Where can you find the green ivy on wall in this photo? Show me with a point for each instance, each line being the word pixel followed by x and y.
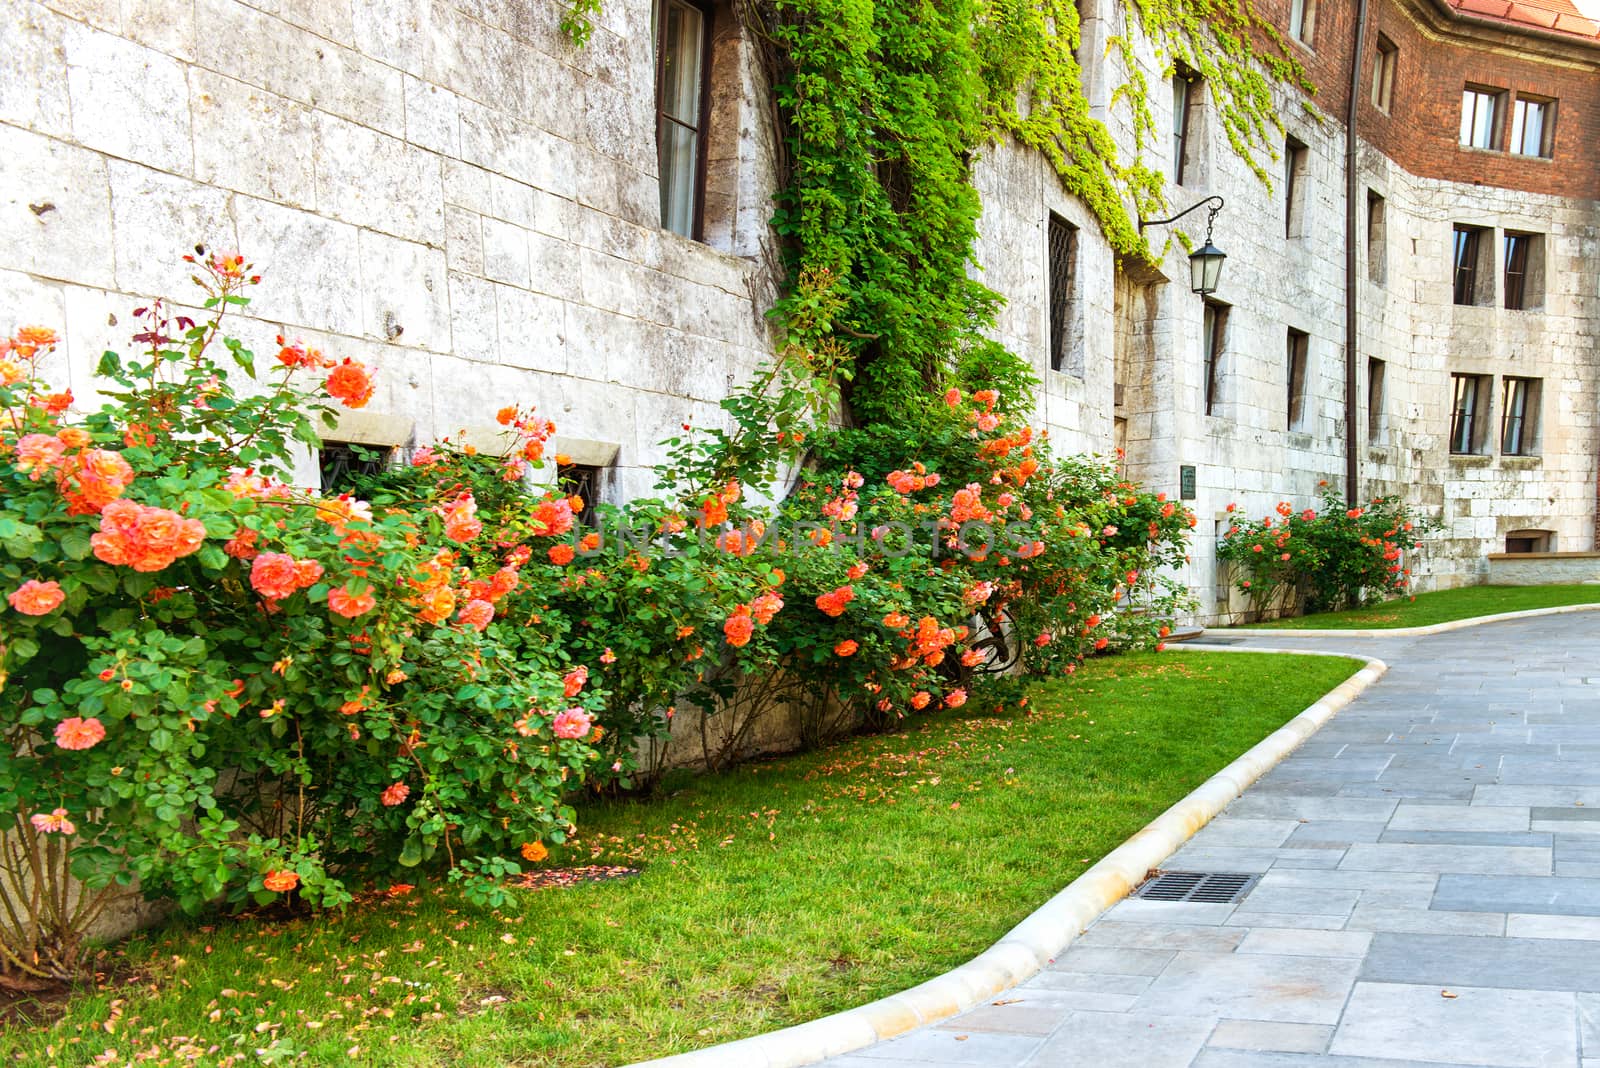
pixel 883 107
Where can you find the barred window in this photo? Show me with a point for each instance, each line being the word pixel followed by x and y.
pixel 1063 251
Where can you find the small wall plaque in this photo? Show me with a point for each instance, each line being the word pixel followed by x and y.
pixel 1186 482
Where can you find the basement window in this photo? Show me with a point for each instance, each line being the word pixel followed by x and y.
pixel 1530 541
pixel 584 481
pixel 342 464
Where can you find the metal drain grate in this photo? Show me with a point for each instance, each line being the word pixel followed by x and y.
pixel 1218 888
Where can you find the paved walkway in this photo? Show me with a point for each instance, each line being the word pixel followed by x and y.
pixel 1430 896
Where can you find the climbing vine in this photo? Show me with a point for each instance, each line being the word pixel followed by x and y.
pixel 883 106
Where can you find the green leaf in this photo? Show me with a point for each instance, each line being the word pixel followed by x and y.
pixel 75 544
pixel 411 852
pixel 212 558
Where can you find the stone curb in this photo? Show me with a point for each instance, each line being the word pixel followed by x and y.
pixel 1037 940
pixel 1410 632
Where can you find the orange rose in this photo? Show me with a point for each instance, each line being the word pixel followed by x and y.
pixel 281 882
pixel 35 598
pixel 350 605
pixel 274 575
pixel 350 384
pixel 534 852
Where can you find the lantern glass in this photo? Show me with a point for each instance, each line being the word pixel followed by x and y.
pixel 1205 268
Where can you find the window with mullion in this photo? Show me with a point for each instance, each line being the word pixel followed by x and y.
pixel 1480 117
pixel 1467 240
pixel 1531 127
pixel 682 38
pixel 1519 416
pixel 1383 69
pixel 1303 21
pixel 1466 413
pixel 1517 246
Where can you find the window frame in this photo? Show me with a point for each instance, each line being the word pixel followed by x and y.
pixel 1467 439
pixel 335 458
pixel 1303 22
pixel 1299 354
pixel 571 481
pixel 1469 120
pixel 1519 415
pixel 1213 345
pixel 1547 126
pixel 1384 66
pixel 1060 236
pixel 1518 247
pixel 1376 370
pixel 1296 157
pixel 1182 124
pixel 1377 238
pixel 702 111
pixel 1466 263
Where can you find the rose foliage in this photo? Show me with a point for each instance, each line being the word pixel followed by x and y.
pixel 1339 558
pixel 227 688
pixel 230 689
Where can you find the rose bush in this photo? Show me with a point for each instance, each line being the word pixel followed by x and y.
pixel 226 688
pixel 850 576
pixel 229 689
pixel 1340 557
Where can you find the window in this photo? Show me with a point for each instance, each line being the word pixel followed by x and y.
pixel 1303 21
pixel 1214 330
pixel 1468 413
pixel 1377 238
pixel 1383 68
pixel 1295 156
pixel 683 36
pixel 1517 269
pixel 1530 541
pixel 1533 126
pixel 1469 249
pixel 1299 343
pixel 1480 117
pixel 1185 90
pixel 1063 241
pixel 582 481
pixel 343 463
pixel 1524 271
pixel 1519 416
pixel 1375 369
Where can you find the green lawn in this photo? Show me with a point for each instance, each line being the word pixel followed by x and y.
pixel 769 896
pixel 1441 607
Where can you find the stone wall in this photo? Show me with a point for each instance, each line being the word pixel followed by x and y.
pixel 1139 332
pixel 451 192
pixel 1542 569
pixel 447 190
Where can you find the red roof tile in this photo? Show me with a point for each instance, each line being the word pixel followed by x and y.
pixel 1559 16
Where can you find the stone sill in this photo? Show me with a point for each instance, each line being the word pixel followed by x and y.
pixel 1522 462
pixel 1545 556
pixel 1470 459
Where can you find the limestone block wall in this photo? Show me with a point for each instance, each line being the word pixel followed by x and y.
pixel 1540 569
pixel 444 189
pixel 1139 333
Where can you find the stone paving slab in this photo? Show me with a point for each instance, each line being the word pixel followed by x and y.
pixel 1441 834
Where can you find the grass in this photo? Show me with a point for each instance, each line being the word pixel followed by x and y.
pixel 1442 607
pixel 770 895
